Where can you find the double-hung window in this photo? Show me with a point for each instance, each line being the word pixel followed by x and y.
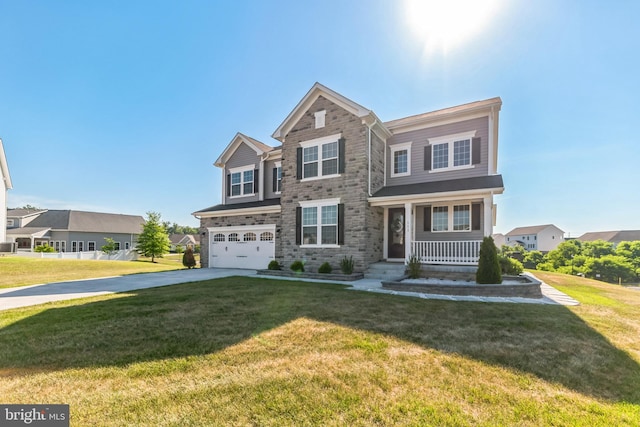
pixel 319 157
pixel 241 181
pixel 452 152
pixel 401 159
pixel 451 218
pixel 319 223
pixel 278 178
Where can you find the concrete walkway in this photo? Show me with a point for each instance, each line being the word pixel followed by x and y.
pixel 39 294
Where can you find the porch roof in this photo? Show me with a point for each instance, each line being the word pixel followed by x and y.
pixel 262 206
pixel 28 232
pixel 490 182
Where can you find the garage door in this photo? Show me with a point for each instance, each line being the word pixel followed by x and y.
pixel 242 247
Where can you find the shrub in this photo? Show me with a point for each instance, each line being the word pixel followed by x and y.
pixel 188 260
pixel 510 266
pixel 274 265
pixel 325 268
pixel 297 266
pixel 44 248
pixel 414 267
pixel 488 265
pixel 346 265
pixel 179 249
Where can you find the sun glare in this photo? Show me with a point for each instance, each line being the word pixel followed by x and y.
pixel 446 24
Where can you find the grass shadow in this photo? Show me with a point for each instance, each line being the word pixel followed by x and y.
pixel 200 318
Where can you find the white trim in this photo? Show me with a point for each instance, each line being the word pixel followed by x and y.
pixel 243 228
pixel 278 165
pixel 320 117
pixel 241 170
pixel 449 140
pixel 450 214
pixel 319 204
pixel 322 140
pixel 236 212
pixel 436 197
pixel 400 147
pixel 323 202
pixel 318 143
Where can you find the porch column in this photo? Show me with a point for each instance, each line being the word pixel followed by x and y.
pixel 488 215
pixel 408 230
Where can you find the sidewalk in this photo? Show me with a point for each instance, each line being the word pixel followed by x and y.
pixel 39 294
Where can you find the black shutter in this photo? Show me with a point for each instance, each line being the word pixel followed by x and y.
pixel 427 158
pixel 228 184
pixel 275 179
pixel 341 155
pixel 256 183
pixel 299 163
pixel 298 225
pixel 427 219
pixel 341 224
pixel 475 216
pixel 475 150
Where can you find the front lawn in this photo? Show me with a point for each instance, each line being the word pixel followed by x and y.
pixel 246 351
pixel 22 271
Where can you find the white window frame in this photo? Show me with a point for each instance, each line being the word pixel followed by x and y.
pixel 450 140
pixel 80 246
pixel 241 171
pixel 10 222
pixel 91 243
pixel 319 204
pixel 450 213
pixel 319 142
pixel 400 147
pixel 278 166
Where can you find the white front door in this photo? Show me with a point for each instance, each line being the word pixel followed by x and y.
pixel 250 247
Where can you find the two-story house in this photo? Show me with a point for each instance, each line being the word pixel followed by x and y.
pixel 542 238
pixel 5 185
pixel 344 183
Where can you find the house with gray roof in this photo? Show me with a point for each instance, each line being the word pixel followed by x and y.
pixel 343 183
pixel 543 238
pixel 614 237
pixel 5 185
pixel 71 230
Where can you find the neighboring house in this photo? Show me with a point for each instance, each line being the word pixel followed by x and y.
pixel 73 231
pixel 543 238
pixel 499 239
pixel 184 240
pixel 614 237
pixel 343 183
pixel 5 185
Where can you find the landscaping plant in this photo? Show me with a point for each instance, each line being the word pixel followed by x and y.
pixel 488 265
pixel 325 268
pixel 188 260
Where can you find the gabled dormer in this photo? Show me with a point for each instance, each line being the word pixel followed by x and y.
pixel 250 170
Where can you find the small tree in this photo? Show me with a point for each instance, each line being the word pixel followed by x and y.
pixel 488 265
pixel 188 260
pixel 179 249
pixel 153 241
pixel 110 247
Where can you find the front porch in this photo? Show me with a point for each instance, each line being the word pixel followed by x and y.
pixel 463 252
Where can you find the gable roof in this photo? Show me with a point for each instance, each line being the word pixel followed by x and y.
pixel 23 213
pixel 4 168
pixel 259 147
pixel 92 222
pixel 316 91
pixel 611 236
pixel 534 229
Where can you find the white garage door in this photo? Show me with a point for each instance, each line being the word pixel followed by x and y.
pixel 251 247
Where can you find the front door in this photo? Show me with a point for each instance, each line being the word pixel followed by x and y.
pixel 396 233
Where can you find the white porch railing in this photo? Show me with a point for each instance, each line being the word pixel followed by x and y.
pixel 121 255
pixel 466 252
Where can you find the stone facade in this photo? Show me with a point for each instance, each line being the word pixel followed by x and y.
pixel 362 225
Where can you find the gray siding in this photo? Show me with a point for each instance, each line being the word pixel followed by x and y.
pixel 419 139
pixel 243 156
pixel 99 238
pixel 268 180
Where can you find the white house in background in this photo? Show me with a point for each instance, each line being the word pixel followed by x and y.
pixel 542 238
pixel 5 184
pixel 499 239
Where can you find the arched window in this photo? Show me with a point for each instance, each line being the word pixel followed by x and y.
pixel 233 237
pixel 218 237
pixel 267 236
pixel 249 237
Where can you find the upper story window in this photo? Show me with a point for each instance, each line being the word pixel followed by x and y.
pixel 449 152
pixel 241 181
pixel 401 159
pixel 321 157
pixel 277 178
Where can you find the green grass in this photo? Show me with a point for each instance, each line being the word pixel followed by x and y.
pixel 243 351
pixel 21 271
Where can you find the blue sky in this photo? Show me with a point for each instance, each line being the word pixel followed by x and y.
pixel 123 106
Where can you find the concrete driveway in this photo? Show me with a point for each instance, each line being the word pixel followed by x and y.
pixel 38 294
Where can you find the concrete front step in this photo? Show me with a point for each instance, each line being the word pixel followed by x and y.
pixel 395 270
pixel 385 270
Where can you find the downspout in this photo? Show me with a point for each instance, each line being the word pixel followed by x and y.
pixel 369 127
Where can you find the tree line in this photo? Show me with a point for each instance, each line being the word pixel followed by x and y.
pixel 598 260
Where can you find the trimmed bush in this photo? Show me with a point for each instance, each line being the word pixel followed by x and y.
pixel 510 266
pixel 488 265
pixel 274 265
pixel 346 265
pixel 414 267
pixel 325 268
pixel 44 248
pixel 297 266
pixel 188 260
